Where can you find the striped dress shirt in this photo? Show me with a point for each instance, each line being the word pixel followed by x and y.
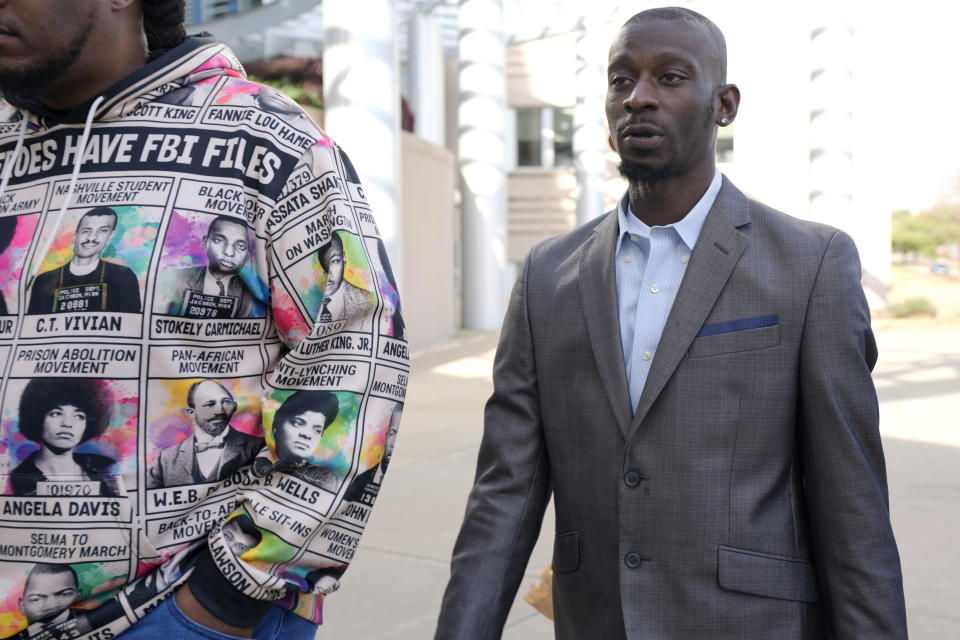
pixel 650 264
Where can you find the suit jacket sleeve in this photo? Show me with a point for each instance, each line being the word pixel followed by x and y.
pixel 511 490
pixel 855 553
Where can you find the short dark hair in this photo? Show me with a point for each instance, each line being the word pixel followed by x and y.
pixel 335 239
pixel 50 569
pixel 226 220
pixel 324 402
pixel 43 394
pixel 163 25
pixel 97 212
pixel 697 19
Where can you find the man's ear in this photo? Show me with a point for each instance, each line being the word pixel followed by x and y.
pixel 122 5
pixel 610 144
pixel 728 96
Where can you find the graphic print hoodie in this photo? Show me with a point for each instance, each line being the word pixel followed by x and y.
pixel 204 362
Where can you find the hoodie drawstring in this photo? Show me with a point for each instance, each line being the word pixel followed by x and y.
pixel 73 183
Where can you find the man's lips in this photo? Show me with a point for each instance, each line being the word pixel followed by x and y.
pixel 642 136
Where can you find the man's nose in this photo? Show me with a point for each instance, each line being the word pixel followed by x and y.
pixel 228 250
pixel 643 96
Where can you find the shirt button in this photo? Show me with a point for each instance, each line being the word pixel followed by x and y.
pixel 632 560
pixel 684 259
pixel 646 355
pixel 632 478
pixel 627 259
pixel 655 288
pixel 634 237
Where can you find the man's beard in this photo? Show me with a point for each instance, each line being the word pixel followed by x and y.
pixel 22 87
pixel 638 174
pixel 212 428
pixel 635 173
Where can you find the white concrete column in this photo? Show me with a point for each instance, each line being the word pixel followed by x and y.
pixel 831 119
pixel 589 122
pixel 426 75
pixel 361 84
pixel 832 153
pixel 548 153
pixel 482 118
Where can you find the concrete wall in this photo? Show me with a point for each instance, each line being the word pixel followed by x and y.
pixel 541 72
pixel 427 173
pixel 540 204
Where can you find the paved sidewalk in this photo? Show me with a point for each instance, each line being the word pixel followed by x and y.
pixel 394 587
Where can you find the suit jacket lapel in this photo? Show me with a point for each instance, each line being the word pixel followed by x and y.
pixel 183 463
pixel 598 291
pixel 713 259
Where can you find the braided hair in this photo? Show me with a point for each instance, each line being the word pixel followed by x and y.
pixel 163 25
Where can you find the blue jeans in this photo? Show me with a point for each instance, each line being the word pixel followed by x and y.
pixel 168 621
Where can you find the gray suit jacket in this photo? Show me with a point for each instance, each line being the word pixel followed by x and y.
pixel 175 466
pixel 744 498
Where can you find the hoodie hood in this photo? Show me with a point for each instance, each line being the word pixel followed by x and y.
pixel 199 58
pixel 194 65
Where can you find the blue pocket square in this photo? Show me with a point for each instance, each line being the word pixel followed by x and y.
pixel 757 322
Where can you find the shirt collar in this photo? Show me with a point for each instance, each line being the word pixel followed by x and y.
pixel 688 228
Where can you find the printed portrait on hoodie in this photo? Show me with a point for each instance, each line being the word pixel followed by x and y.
pixel 334 284
pixel 69 437
pixel 207 269
pixel 97 261
pixel 15 235
pixel 50 600
pixel 202 430
pixel 311 435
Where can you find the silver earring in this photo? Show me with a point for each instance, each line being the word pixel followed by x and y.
pixel 723 121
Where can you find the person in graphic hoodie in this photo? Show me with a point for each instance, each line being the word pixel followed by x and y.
pixel 110 106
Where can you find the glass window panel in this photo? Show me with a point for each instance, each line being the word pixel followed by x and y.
pixel 563 136
pixel 528 137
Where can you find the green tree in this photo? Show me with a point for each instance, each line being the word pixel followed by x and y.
pixel 921 234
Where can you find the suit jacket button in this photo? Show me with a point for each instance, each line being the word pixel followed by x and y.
pixel 632 478
pixel 632 560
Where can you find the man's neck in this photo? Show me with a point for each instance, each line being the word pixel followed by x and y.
pixel 83 266
pixel 667 201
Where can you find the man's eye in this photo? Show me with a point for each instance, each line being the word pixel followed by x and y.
pixel 672 77
pixel 618 81
pixel 240 246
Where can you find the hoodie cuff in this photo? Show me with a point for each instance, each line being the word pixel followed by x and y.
pixel 220 598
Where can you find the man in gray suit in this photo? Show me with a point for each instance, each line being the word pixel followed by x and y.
pixel 214 451
pixel 690 377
